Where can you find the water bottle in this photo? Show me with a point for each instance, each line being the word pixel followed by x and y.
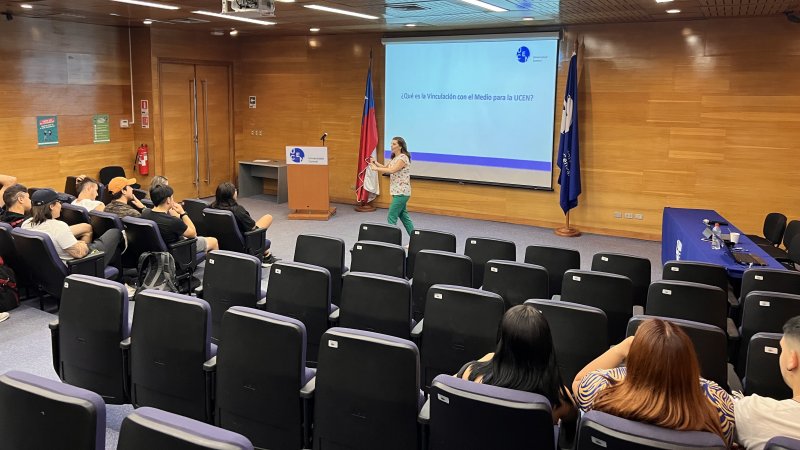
pixel 716 237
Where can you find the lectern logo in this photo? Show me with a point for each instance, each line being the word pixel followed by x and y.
pixel 297 155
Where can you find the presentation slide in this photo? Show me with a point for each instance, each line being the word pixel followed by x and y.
pixel 476 109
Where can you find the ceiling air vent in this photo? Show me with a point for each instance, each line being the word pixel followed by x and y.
pixel 189 20
pixel 406 7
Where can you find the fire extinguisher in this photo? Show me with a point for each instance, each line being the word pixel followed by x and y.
pixel 142 162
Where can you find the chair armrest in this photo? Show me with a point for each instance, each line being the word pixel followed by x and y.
pixel 55 342
pixel 638 310
pixel 262 304
pixel 91 265
pixel 125 345
pixel 733 332
pixel 417 331
pixel 198 291
pixel 255 240
pixel 210 372
pixel 307 391
pixel 184 251
pixel 424 415
pixel 733 302
pixel 334 316
pixel 734 383
pixel 210 365
pixel 556 297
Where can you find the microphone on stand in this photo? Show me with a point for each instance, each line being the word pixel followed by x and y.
pixel 324 135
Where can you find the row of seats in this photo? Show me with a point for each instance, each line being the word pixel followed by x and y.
pixel 776 230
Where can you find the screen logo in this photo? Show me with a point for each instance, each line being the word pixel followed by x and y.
pixel 297 155
pixel 523 54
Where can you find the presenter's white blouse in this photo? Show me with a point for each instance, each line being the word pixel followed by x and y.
pixel 400 181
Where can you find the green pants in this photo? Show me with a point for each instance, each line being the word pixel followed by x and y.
pixel 398 209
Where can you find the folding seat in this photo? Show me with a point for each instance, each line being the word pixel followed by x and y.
pixel 380 232
pixel 92 321
pixel 303 292
pixel 144 236
pixel 70 186
pixel 461 411
pixel 323 251
pixel 764 312
pixel 36 250
pixel 73 214
pixel 12 259
pixel 774 227
pixel 580 334
pixel 633 267
pixel 460 326
pixel 481 249
pixel 378 257
pixel 170 341
pixel 367 392
pixel 195 207
pixel 222 225
pixel 108 173
pixel 437 267
pixel 376 303
pixel 710 345
pixel 515 281
pixel 770 280
pixel 700 272
pixel 783 443
pixel 556 260
pixel 262 384
pixel 610 292
pixel 762 374
pixel 102 221
pixel 428 240
pixel 600 430
pixel 691 301
pixel 151 428
pixel 39 413
pixel 792 230
pixel 230 279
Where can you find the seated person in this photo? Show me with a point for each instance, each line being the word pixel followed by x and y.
pixel 123 202
pixel 172 220
pixel 660 383
pixel 226 197
pixel 758 419
pixel 6 181
pixel 44 212
pixel 159 180
pixel 87 194
pixel 18 205
pixel 524 360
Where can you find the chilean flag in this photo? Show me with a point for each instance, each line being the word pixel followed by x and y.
pixel 367 179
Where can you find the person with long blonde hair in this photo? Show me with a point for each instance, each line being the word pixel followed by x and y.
pixel 660 383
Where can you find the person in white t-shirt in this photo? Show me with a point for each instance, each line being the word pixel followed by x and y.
pixel 758 419
pixel 44 212
pixel 87 194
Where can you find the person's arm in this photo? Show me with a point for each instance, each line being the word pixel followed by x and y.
pixel 78 250
pixel 82 231
pixel 6 181
pixel 137 204
pixel 100 207
pixel 392 168
pixel 612 358
pixel 178 211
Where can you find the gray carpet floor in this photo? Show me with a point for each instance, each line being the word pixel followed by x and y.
pixel 25 337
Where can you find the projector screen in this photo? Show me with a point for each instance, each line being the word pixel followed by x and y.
pixel 477 109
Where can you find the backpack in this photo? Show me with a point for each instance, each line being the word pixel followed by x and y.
pixel 156 271
pixel 9 295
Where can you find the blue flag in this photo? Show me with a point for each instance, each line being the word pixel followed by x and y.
pixel 568 160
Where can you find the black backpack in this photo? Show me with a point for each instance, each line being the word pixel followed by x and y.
pixel 156 271
pixel 9 294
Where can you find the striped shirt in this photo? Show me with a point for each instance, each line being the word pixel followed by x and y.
pixel 596 381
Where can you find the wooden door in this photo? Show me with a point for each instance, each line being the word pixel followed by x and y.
pixel 177 85
pixel 214 108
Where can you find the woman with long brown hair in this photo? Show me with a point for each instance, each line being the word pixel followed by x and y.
pixel 660 383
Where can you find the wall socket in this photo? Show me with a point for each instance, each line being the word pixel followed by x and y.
pixel 617 215
pixel 256 132
pixel 629 215
pixel 638 216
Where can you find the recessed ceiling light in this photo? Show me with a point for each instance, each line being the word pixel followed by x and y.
pixel 673 11
pixel 234 32
pixel 527 19
pixel 148 4
pixel 218 33
pixel 26 6
pixel 663 1
pixel 485 5
pixel 286 1
pixel 340 11
pixel 147 21
pixel 113 14
pixel 411 25
pixel 313 30
pixel 228 16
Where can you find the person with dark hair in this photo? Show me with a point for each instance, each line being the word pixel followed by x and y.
pixel 87 194
pixel 660 383
pixel 123 203
pixel 44 212
pixel 18 205
pixel 758 419
pixel 525 360
pixel 399 170
pixel 172 220
pixel 158 180
pixel 226 198
pixel 6 181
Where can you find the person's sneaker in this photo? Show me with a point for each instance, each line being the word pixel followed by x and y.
pixel 269 260
pixel 4 316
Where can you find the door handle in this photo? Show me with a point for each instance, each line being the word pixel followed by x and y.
pixel 193 84
pixel 205 115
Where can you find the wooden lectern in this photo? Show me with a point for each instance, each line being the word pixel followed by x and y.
pixel 308 183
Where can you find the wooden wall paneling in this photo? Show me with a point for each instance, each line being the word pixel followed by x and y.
pixel 143 90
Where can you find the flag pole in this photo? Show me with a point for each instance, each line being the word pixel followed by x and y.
pixel 362 206
pixel 567 230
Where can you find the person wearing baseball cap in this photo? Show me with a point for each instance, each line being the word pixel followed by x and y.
pixel 123 201
pixel 46 209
